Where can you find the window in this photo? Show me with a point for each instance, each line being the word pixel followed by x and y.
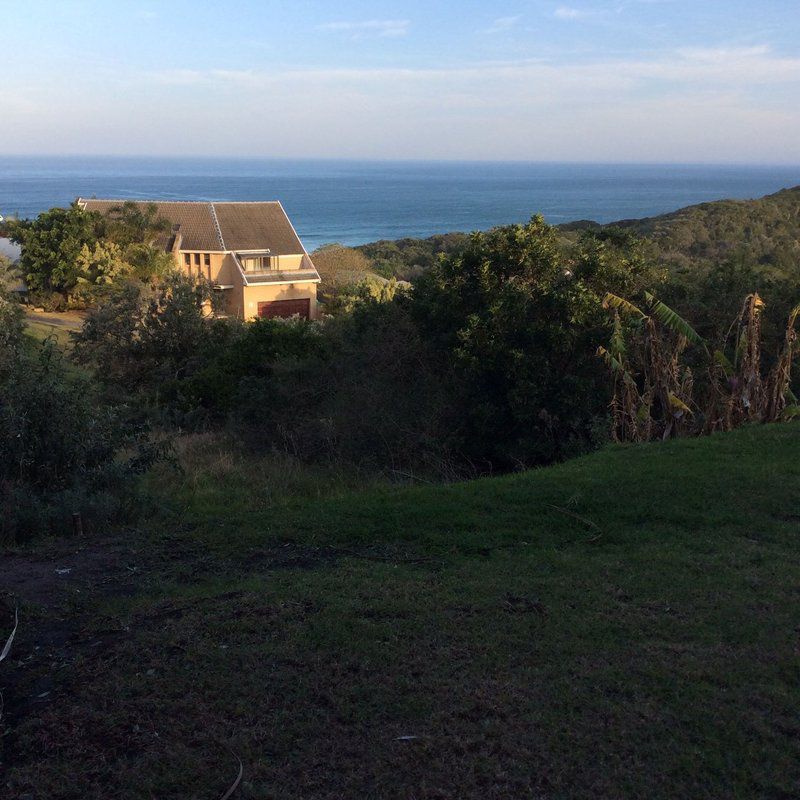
pixel 207 265
pixel 259 263
pixel 197 259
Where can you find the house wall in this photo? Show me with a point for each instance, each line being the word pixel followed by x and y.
pixel 290 262
pixel 223 272
pixel 253 295
pixel 242 301
pixel 217 264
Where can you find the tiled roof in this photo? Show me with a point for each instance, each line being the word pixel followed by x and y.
pixel 257 226
pixel 197 228
pixel 221 226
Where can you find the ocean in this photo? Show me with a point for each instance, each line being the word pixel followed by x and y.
pixel 353 202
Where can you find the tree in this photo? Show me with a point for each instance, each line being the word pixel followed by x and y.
pixel 520 317
pixel 10 276
pixel 148 262
pixel 372 289
pixel 135 223
pixel 101 265
pixel 145 337
pixel 51 245
pixel 338 265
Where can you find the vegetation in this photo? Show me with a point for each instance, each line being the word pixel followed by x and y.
pixel 10 276
pixel 764 232
pixel 70 256
pixel 277 600
pixel 407 259
pixel 657 394
pixel 62 450
pixel 533 635
pixel 515 314
pixel 348 280
pixel 762 235
pixel 338 265
pixel 498 344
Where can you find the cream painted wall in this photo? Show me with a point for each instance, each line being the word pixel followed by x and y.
pixel 242 301
pixel 217 262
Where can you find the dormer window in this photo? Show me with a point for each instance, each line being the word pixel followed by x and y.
pixel 258 261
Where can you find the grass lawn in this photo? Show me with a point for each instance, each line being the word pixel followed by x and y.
pixel 623 625
pixel 42 325
pixel 42 330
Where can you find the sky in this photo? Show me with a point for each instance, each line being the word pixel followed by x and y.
pixel 535 80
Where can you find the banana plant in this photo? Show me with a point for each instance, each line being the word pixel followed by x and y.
pixel 660 377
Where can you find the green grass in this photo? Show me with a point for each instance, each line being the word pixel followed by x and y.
pixel 619 626
pixel 39 331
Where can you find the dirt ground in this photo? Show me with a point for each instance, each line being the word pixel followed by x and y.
pixel 69 320
pixel 47 589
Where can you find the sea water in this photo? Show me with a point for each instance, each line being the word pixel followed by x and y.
pixel 352 202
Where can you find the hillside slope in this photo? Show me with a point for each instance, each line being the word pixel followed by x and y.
pixel 621 625
pixel 763 232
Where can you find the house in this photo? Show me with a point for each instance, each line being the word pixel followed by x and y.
pixel 250 252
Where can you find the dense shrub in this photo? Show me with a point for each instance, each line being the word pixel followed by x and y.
pixel 371 393
pixel 61 451
pixel 345 298
pixel 51 246
pixel 519 318
pixel 488 364
pixel 144 339
pixel 159 347
pixel 407 259
pixel 338 265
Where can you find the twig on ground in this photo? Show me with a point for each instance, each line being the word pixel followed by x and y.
pixel 235 784
pixel 7 648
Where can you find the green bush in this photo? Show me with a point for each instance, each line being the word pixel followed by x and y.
pixel 61 450
pixel 487 364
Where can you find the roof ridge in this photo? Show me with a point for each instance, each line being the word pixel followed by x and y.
pixel 216 226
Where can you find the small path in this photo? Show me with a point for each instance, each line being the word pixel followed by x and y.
pixel 70 320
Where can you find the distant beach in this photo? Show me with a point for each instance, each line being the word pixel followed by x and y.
pixel 353 202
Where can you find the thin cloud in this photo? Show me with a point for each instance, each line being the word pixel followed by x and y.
pixel 385 28
pixel 503 24
pixel 605 109
pixel 717 68
pixel 569 13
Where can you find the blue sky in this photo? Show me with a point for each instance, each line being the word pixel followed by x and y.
pixel 580 80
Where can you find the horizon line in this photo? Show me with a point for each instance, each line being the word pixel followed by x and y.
pixel 405 160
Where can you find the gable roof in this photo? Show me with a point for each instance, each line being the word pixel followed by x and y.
pixel 257 226
pixel 218 227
